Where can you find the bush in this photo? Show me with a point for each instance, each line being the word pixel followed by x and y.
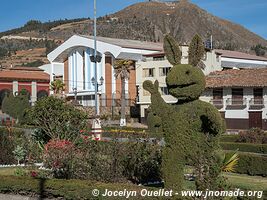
pixel 68 189
pixel 57 119
pixel 254 135
pixel 229 138
pixel 245 147
pixel 58 156
pixel 9 139
pixel 251 164
pixel 108 161
pixel 16 106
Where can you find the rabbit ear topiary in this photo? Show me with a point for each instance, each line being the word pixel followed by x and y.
pixel 196 51
pixel 172 50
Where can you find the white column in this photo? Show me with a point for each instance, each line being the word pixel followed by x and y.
pixel 34 92
pixel 15 87
pixel 103 74
pixel 75 69
pixel 92 70
pixel 87 69
pixel 113 77
pixel 70 73
pixel 52 76
pixel 79 70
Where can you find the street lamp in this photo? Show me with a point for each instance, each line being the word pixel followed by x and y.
pixel 75 95
pixel 97 84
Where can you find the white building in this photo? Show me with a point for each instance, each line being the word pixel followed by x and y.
pixel 78 70
pixel 240 60
pixel 156 66
pixel 240 96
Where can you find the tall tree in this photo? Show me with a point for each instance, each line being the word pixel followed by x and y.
pixel 122 70
pixel 57 86
pixel 196 51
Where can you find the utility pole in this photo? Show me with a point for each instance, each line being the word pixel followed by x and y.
pixel 95 53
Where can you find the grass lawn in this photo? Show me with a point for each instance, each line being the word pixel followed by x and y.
pixel 7 171
pixel 247 182
pixel 74 187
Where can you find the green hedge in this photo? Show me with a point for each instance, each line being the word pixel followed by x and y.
pixel 252 164
pixel 229 138
pixel 68 189
pixel 245 147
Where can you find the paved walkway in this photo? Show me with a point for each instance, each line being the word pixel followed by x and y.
pixel 15 197
pixel 18 197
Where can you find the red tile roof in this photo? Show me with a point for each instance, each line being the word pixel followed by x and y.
pixel 23 74
pixel 25 68
pixel 237 78
pixel 240 55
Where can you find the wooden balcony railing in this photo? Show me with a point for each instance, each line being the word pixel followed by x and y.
pixel 256 103
pixel 218 103
pixel 236 103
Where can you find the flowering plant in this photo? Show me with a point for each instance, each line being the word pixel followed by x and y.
pixel 58 155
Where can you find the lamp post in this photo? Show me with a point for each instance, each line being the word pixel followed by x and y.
pixel 95 61
pixel 75 95
pixel 97 84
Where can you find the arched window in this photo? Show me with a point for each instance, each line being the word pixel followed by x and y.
pixel 3 93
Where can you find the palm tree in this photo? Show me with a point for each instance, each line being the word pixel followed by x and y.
pixel 230 162
pixel 122 69
pixel 57 86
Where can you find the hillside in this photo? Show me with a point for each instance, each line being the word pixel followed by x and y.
pixel 147 21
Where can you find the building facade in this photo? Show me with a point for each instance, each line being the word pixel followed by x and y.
pixel 156 66
pixel 33 80
pixel 240 96
pixel 78 71
pixel 240 60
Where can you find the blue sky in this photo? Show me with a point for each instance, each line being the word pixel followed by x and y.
pixel 15 13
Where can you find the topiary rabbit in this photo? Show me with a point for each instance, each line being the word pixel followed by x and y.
pixel 190 127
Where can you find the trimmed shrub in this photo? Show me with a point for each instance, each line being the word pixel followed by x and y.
pixel 251 164
pixel 229 138
pixel 245 147
pixel 68 189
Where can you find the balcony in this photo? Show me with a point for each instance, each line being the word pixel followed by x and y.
pixel 238 104
pixel 218 103
pixel 256 104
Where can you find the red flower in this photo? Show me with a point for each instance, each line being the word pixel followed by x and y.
pixel 33 174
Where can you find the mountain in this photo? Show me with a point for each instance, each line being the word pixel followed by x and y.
pixel 147 21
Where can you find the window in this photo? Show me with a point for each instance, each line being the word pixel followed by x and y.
pixel 149 72
pixel 164 91
pixel 163 71
pixel 218 93
pixel 258 93
pixel 237 96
